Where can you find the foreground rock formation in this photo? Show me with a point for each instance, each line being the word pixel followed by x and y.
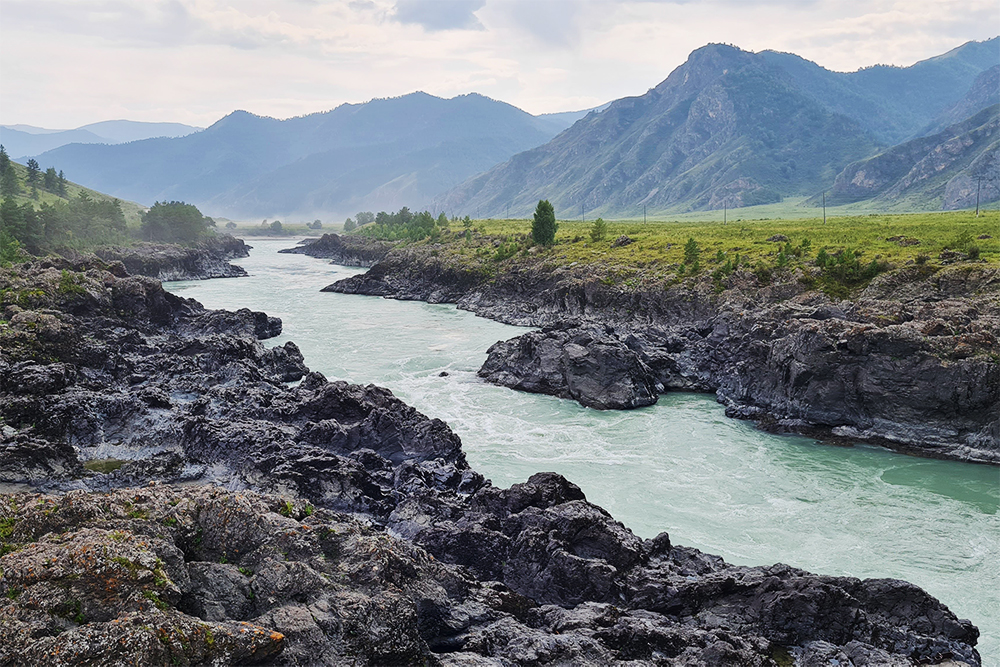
pixel 352 528
pixel 912 362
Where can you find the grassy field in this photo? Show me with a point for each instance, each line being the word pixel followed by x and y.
pixel 892 238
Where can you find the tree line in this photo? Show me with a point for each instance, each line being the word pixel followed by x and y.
pixel 10 184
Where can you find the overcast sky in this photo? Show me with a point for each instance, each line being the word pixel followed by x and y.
pixel 65 63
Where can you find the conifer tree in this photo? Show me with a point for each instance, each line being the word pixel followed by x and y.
pixel 33 171
pixel 543 226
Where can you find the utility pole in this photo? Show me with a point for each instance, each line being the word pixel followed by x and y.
pixel 824 207
pixel 979 183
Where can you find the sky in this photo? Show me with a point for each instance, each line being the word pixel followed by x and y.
pixel 67 63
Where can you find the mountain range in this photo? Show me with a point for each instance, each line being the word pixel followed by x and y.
pixel 386 153
pixel 734 128
pixel 727 128
pixel 23 141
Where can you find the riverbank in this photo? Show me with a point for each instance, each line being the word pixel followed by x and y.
pixel 146 370
pixel 206 259
pixel 906 359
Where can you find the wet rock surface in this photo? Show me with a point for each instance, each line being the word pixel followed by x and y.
pixel 343 250
pixel 910 363
pixel 586 363
pixel 190 506
pixel 164 261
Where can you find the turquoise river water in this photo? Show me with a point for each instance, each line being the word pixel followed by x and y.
pixel 680 466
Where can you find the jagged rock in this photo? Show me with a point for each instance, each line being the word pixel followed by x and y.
pixel 374 542
pixel 164 261
pixel 344 250
pixel 587 364
pixel 781 355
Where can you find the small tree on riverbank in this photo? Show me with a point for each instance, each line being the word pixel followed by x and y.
pixel 543 227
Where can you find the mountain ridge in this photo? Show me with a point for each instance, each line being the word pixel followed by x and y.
pixel 727 128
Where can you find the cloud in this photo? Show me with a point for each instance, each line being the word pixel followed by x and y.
pixel 436 15
pixel 196 60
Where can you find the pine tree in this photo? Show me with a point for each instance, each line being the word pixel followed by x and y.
pixel 50 179
pixel 598 230
pixel 62 184
pixel 4 160
pixel 33 171
pixel 543 226
pixel 9 185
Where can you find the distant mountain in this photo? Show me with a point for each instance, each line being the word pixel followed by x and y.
pixel 985 92
pixel 939 171
pixel 560 121
pixel 121 131
pixel 893 103
pixel 726 128
pixel 723 129
pixel 23 141
pixel 381 154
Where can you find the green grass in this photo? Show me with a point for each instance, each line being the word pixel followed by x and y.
pixel 661 243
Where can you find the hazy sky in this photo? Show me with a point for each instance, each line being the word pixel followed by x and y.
pixel 65 63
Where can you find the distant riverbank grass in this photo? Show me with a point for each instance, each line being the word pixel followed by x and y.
pixel 842 255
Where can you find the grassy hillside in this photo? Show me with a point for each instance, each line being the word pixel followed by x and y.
pixel 132 210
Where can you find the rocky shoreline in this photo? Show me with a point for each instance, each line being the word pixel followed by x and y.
pixel 912 362
pixel 172 499
pixel 343 250
pixel 165 261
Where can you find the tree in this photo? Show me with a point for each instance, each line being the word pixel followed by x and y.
pixel 316 224
pixel 62 184
pixel 364 218
pixel 230 225
pixel 598 230
pixel 50 179
pixel 4 160
pixel 276 226
pixel 349 225
pixel 33 171
pixel 174 222
pixel 691 251
pixel 9 185
pixel 543 227
pixel 442 220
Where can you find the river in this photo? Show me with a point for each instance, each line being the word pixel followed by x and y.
pixel 679 466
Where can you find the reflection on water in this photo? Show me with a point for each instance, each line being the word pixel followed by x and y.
pixel 681 466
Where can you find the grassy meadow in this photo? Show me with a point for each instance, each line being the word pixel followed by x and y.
pixel 892 238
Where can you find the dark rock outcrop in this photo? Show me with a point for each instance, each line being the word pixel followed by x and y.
pixel 910 363
pixel 587 364
pixel 343 250
pixel 374 541
pixel 165 261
